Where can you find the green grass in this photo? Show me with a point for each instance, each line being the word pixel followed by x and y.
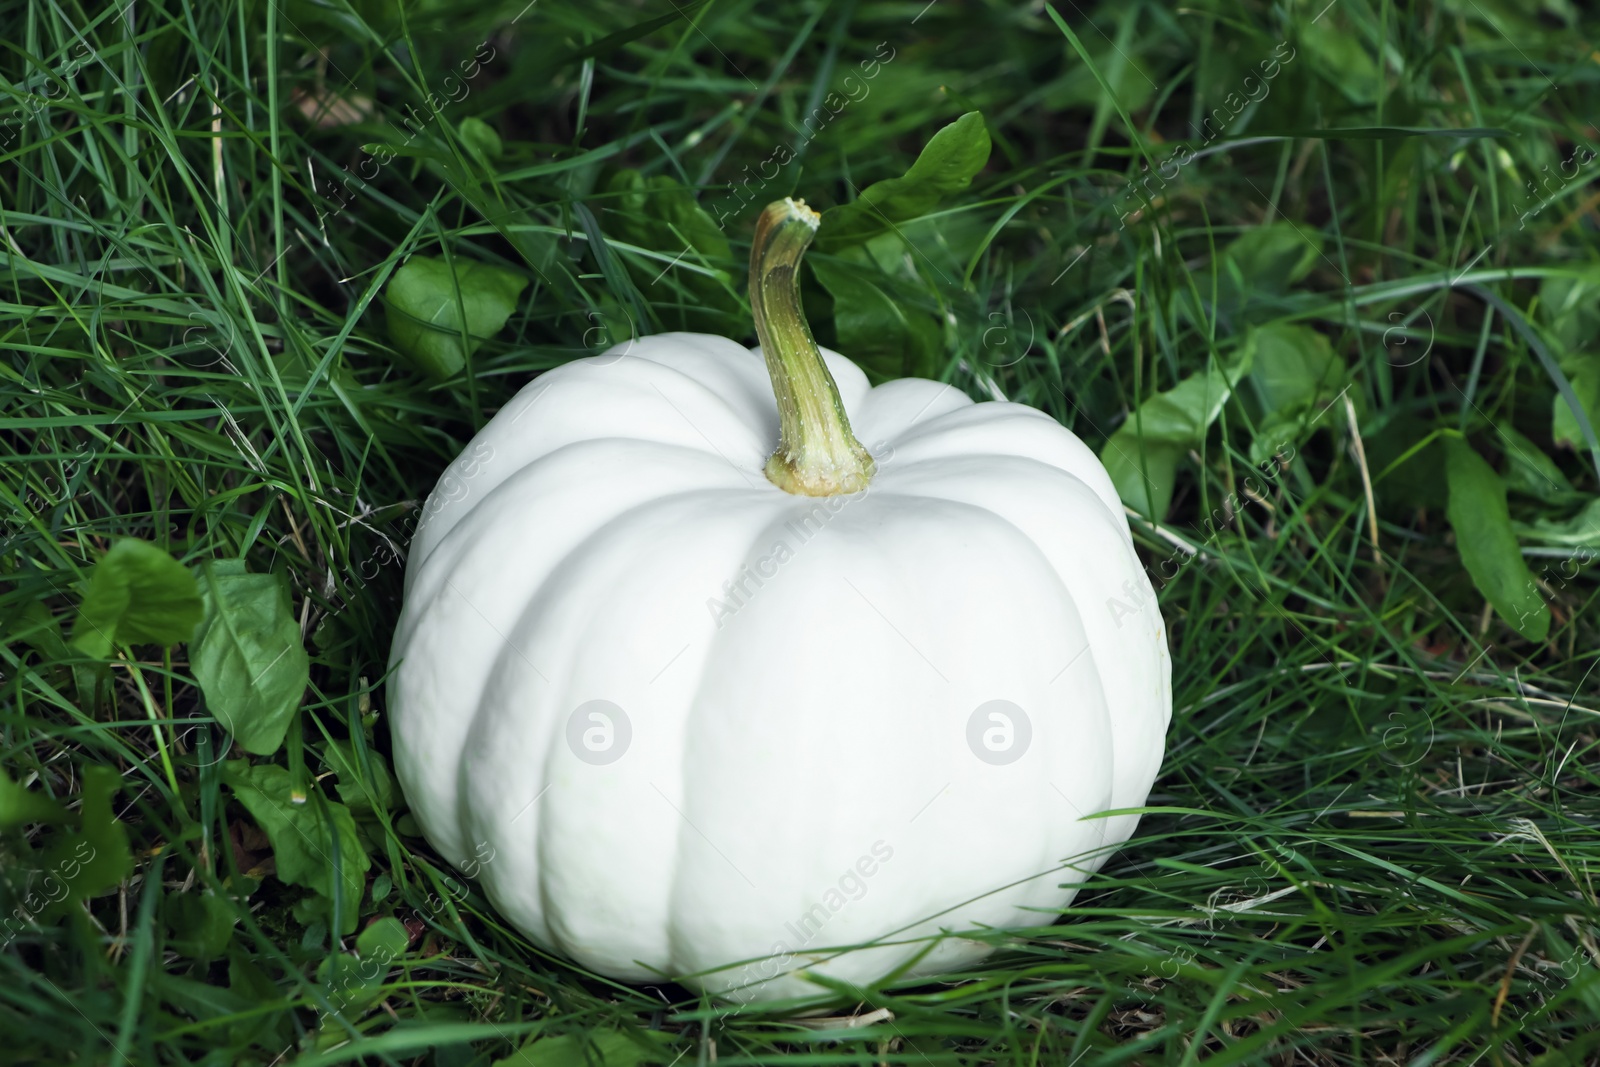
pixel 1376 836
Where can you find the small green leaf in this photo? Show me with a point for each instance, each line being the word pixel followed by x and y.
pixel 1251 272
pixel 1294 367
pixel 307 845
pixel 97 857
pixel 660 214
pixel 1564 426
pixel 201 922
pixel 352 984
pixel 200 1000
pixel 872 327
pixel 247 654
pixel 1570 304
pixel 137 595
pixel 362 793
pixel 1528 469
pixel 425 319
pixel 1162 428
pixel 1272 258
pixel 1343 58
pixel 356 981
pixel 250 983
pixel 1296 376
pixel 20 806
pixel 1406 459
pixel 481 139
pixel 1580 531
pixel 948 163
pixel 1130 78
pixel 37 627
pixel 384 938
pixel 1145 488
pixel 605 1048
pixel 1482 523
pixel 1182 414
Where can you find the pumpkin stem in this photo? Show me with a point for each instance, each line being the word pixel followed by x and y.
pixel 817 454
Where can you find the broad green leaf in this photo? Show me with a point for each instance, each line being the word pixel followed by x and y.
pixel 1131 78
pixel 356 981
pixel 1294 367
pixel 1570 306
pixel 1580 531
pixel 20 806
pixel 1264 261
pixel 1182 414
pixel 1407 472
pixel 201 922
pixel 660 214
pixel 1168 424
pixel 352 984
pixel 666 214
pixel 605 1048
pixel 361 792
pixel 947 164
pixel 1253 269
pixel 36 626
pixel 872 327
pixel 1482 523
pixel 385 938
pixel 1564 426
pixel 481 139
pixel 1528 469
pixel 137 595
pixel 1145 488
pixel 1296 376
pixel 197 999
pixel 247 654
pixel 247 980
pixel 931 244
pixel 307 846
pixel 96 858
pixel 1343 58
pixel 425 320
pixel 1275 256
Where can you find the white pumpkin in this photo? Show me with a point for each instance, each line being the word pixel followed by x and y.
pixel 682 723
